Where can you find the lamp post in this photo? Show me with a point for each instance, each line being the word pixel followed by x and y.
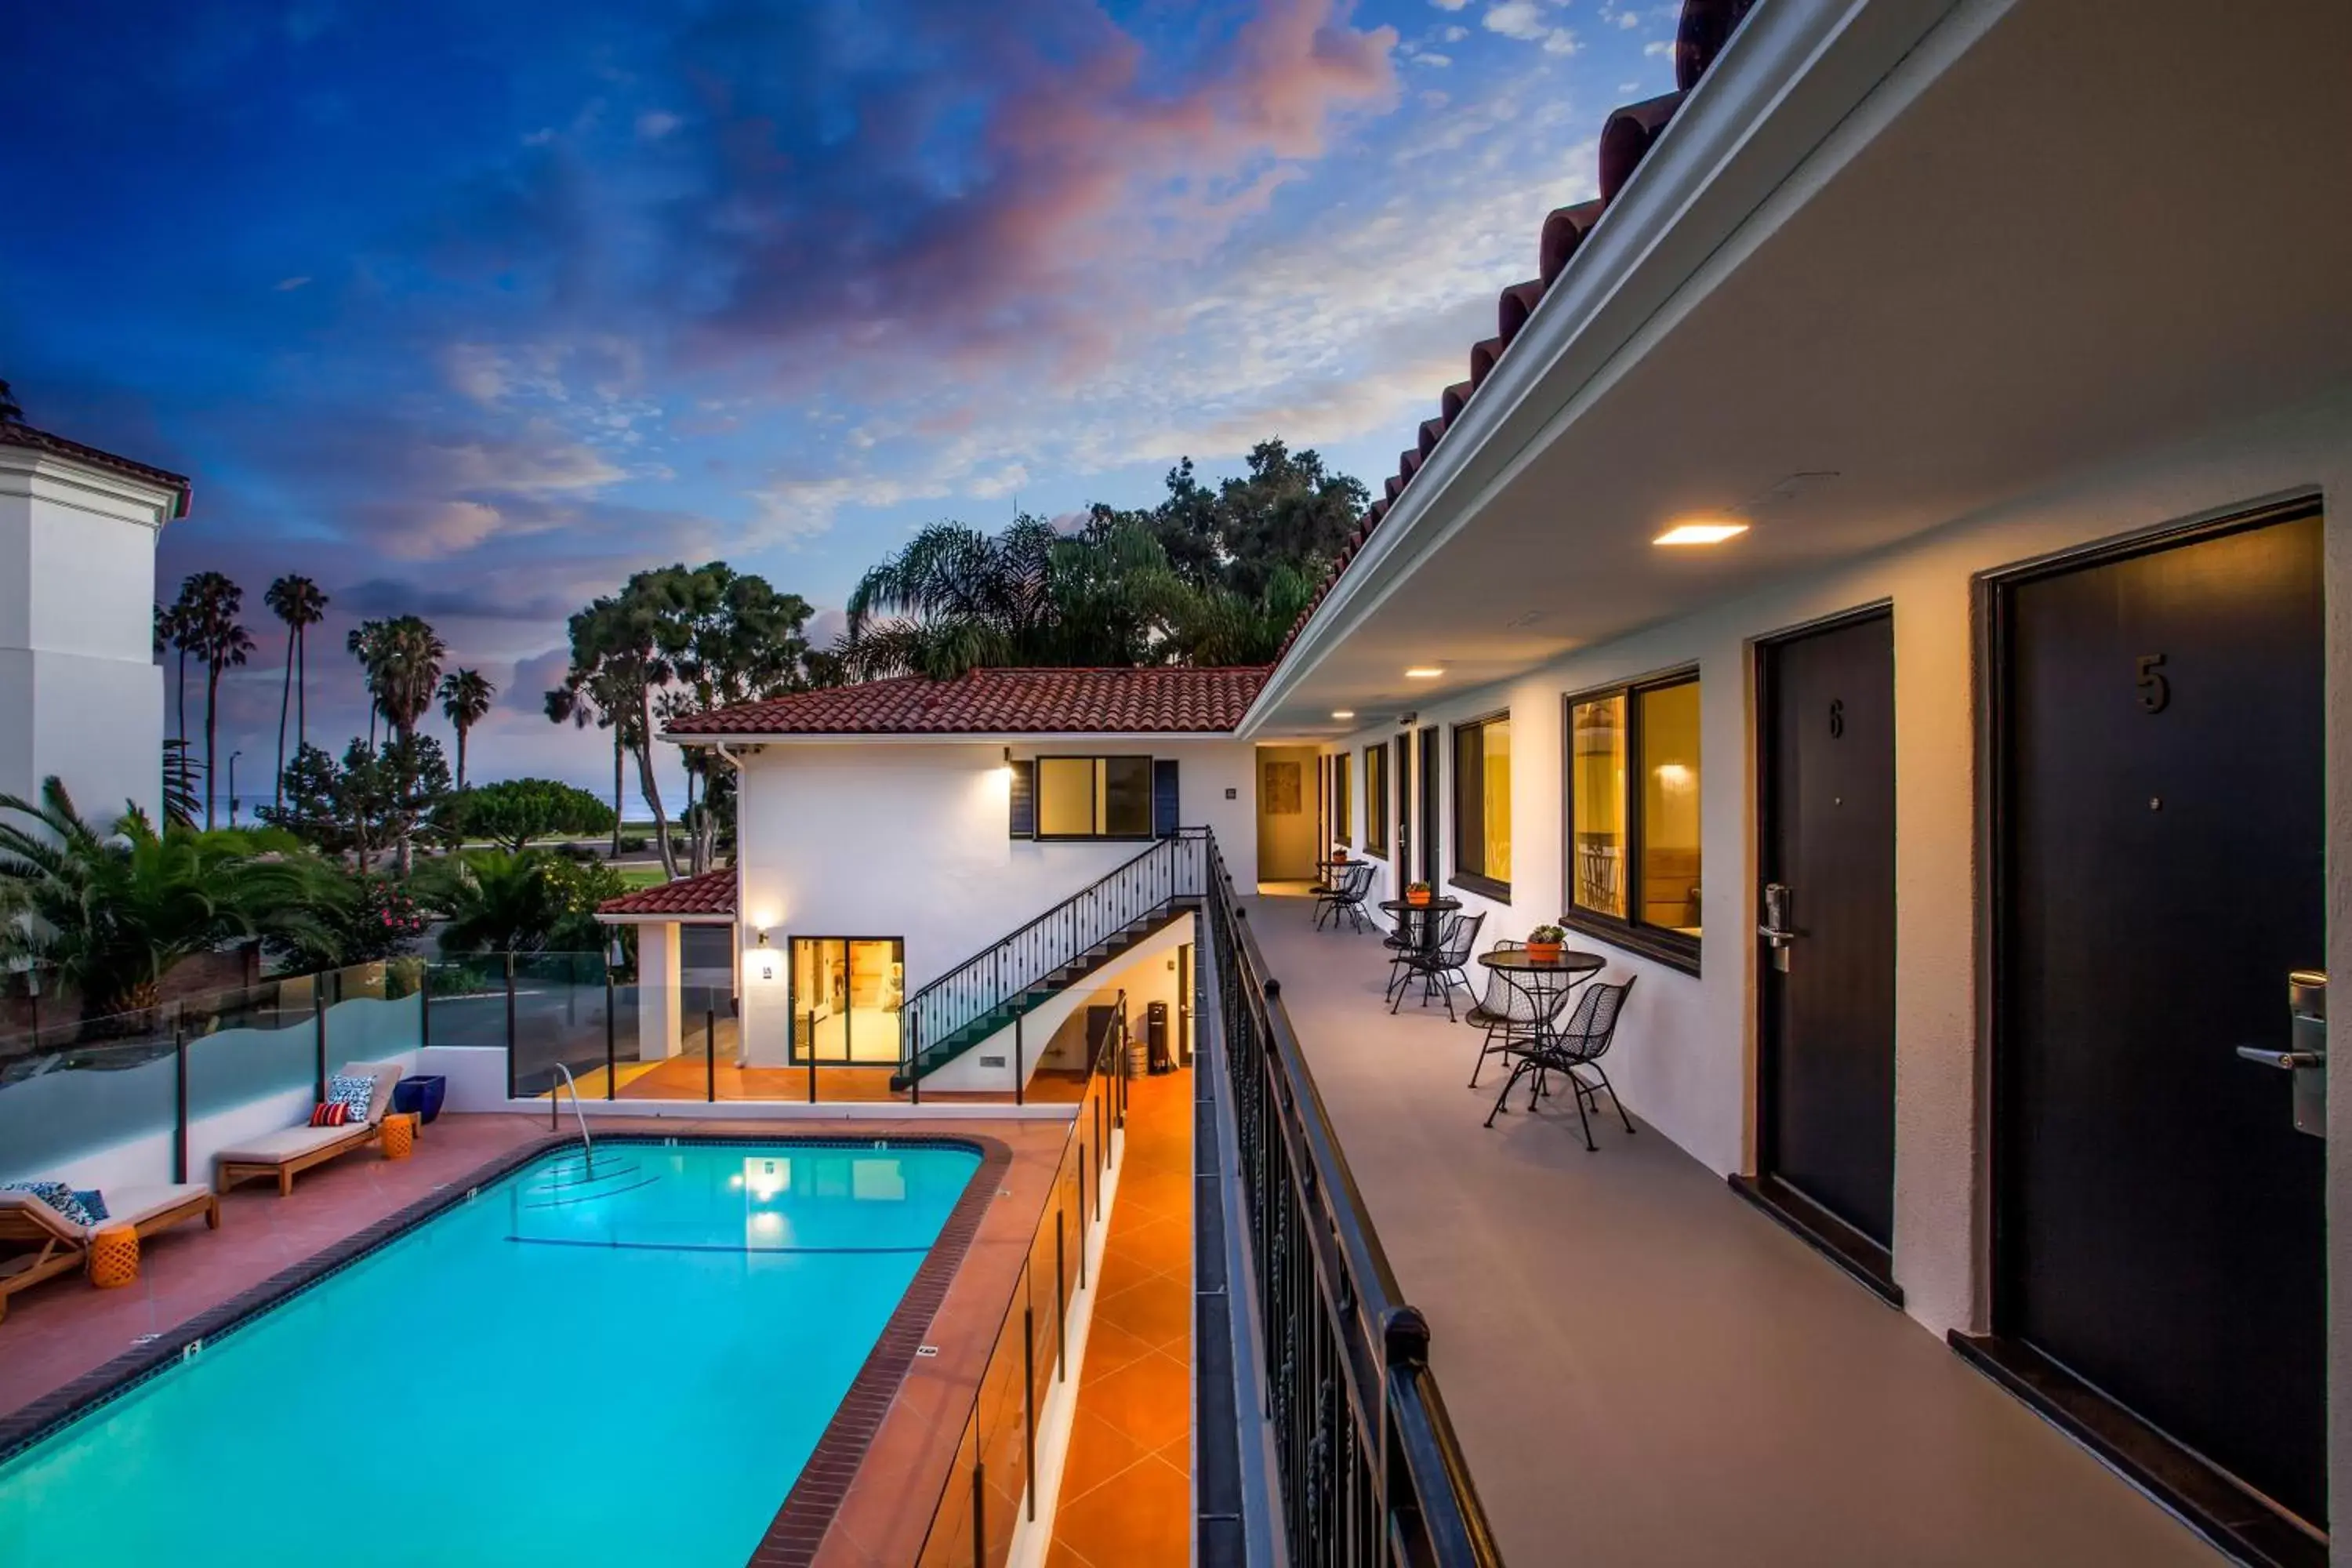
pixel 232 786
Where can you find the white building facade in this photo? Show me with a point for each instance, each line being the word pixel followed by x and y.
pixel 80 694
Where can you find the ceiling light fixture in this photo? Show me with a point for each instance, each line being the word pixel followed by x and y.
pixel 1700 533
pixel 1424 672
pixel 1343 712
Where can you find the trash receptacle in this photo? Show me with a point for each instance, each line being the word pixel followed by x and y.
pixel 1155 1030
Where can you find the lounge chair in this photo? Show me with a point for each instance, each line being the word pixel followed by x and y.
pixel 65 1243
pixel 290 1150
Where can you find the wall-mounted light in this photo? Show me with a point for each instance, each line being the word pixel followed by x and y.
pixel 766 956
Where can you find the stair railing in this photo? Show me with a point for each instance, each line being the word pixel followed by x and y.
pixel 1171 869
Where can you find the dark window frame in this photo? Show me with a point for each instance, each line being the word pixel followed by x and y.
pixel 1343 800
pixel 1461 875
pixel 1376 800
pixel 1633 933
pixel 1098 759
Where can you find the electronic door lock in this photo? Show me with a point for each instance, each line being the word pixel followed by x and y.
pixel 1774 928
pixel 2306 1053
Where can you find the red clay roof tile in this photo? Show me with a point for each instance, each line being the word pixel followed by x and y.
pixel 711 893
pixel 1163 699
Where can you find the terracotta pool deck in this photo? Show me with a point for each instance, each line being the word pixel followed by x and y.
pixel 65 1330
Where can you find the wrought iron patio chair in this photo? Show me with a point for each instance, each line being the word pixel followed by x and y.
pixel 1345 897
pixel 1439 968
pixel 1506 1012
pixel 1573 1050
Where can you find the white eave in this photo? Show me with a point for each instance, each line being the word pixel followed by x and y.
pixel 1796 72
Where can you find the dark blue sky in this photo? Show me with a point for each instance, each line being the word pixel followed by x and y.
pixel 471 310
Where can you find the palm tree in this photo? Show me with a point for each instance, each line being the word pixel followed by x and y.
pixel 466 697
pixel 11 411
pixel 297 602
pixel 110 909
pixel 223 644
pixel 177 626
pixel 400 660
pixel 961 600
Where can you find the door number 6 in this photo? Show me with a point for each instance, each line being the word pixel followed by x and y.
pixel 2155 692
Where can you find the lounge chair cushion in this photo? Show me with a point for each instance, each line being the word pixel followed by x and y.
pixel 74 1206
pixel 137 1205
pixel 289 1143
pixel 14 1200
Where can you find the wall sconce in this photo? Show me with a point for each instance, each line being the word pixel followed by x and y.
pixel 766 956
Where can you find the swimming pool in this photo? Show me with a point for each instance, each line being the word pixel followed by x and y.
pixel 626 1362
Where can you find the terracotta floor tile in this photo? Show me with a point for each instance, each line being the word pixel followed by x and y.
pixel 1098 1451
pixel 1142 1519
pixel 1150 1399
pixel 1157 1310
pixel 1110 1347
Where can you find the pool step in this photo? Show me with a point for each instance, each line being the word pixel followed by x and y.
pixel 575 1182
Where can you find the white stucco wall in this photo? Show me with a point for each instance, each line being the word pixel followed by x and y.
pixel 1688 1042
pixel 884 838
pixel 79 693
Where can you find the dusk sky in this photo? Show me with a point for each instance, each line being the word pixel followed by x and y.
pixel 469 310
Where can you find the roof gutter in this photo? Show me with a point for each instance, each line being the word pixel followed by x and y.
pixel 1767 126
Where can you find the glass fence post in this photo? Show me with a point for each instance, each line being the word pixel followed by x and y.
pixel 424 1005
pixel 612 1059
pixel 1082 1213
pixel 318 1034
pixel 180 1097
pixel 1020 1064
pixel 979 1500
pixel 1061 1301
pixel 1029 1404
pixel 711 1055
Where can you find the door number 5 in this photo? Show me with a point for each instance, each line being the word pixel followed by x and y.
pixel 2155 692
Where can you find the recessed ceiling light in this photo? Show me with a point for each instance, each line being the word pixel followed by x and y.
pixel 1701 533
pixel 1423 672
pixel 1343 712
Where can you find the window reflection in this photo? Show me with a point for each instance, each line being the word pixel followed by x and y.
pixel 1670 827
pixel 1597 749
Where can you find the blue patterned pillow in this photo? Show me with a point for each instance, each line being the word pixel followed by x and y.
pixel 63 1199
pixel 354 1092
pixel 94 1202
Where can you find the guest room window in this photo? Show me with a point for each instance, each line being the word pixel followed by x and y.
pixel 1482 805
pixel 1094 797
pixel 1376 801
pixel 1633 810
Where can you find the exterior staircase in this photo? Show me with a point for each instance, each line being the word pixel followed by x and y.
pixel 1016 976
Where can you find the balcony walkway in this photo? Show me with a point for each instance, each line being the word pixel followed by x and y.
pixel 1642 1369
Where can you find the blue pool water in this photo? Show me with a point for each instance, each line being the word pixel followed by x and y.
pixel 622 1365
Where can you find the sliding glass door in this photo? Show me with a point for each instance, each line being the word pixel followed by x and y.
pixel 846 994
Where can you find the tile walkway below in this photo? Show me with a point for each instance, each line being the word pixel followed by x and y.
pixel 1127 1485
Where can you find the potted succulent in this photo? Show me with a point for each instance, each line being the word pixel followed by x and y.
pixel 1544 943
pixel 1416 892
pixel 1340 855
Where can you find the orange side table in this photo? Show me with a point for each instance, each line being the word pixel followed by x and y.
pixel 114 1257
pixel 399 1135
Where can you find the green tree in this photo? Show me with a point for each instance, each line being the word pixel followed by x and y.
pixel 300 605
pixel 955 599
pixel 512 812
pixel 530 902
pixel 465 697
pixel 11 411
pixel 310 804
pixel 178 626
pixel 592 699
pixel 180 803
pixel 214 636
pixel 110 909
pixel 618 655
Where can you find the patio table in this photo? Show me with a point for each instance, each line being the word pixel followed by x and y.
pixel 1545 983
pixel 1417 931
